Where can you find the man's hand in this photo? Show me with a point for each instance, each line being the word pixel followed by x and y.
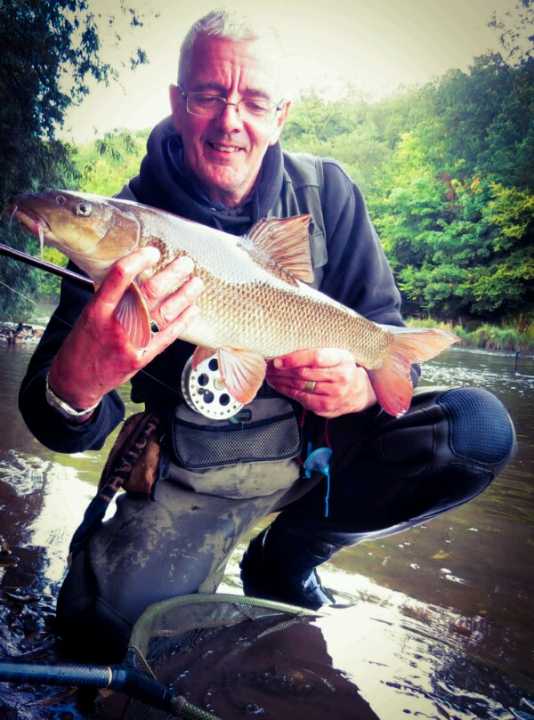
pixel 326 381
pixel 97 355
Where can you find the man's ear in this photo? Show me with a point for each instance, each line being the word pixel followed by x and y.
pixel 176 99
pixel 280 121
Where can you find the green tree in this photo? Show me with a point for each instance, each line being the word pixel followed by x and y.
pixel 343 129
pixel 458 248
pixel 50 50
pixel 446 170
pixel 486 118
pixel 105 164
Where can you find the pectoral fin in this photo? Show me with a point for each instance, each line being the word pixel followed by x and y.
pixel 242 372
pixel 132 313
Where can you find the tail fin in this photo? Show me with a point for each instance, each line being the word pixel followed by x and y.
pixel 392 382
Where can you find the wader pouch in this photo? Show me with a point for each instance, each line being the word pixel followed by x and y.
pixel 267 430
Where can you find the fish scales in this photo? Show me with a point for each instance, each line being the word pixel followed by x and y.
pixel 250 307
pixel 275 321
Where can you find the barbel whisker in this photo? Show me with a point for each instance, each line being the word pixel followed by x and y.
pixel 11 216
pixel 40 232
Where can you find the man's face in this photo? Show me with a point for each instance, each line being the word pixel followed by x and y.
pixel 225 152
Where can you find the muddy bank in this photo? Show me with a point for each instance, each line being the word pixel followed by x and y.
pixel 20 333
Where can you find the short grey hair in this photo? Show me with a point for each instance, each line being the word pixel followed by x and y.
pixel 227 24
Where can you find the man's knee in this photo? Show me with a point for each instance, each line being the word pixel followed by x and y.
pixel 443 452
pixel 480 429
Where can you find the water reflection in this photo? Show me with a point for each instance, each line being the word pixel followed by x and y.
pixel 410 658
pixel 402 668
pixel 494 371
pixel 40 505
pixel 86 466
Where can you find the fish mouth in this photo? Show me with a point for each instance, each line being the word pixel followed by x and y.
pixel 33 222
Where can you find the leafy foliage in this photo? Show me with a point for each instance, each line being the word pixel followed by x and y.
pixel 446 170
pixel 107 163
pixel 50 50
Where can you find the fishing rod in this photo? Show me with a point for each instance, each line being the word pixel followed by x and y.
pixel 46 266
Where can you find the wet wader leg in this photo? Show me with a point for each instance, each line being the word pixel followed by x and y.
pixel 388 474
pixel 149 551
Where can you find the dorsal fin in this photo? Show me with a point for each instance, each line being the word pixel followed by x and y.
pixel 282 246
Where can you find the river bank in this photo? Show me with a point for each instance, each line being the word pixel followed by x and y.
pixel 12 333
pixel 485 336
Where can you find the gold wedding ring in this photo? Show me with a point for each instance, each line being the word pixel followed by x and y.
pixel 309 386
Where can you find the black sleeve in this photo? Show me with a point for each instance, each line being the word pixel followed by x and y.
pixel 49 426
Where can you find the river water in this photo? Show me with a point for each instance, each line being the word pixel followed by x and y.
pixel 440 623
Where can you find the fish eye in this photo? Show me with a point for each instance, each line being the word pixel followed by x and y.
pixel 84 209
pixel 60 199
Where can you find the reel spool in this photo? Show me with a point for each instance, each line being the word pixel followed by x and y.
pixel 204 390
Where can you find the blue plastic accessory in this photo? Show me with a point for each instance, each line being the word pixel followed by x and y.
pixel 318 460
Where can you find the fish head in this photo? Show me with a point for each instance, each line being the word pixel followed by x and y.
pixel 92 231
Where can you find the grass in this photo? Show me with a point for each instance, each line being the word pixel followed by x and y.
pixel 505 338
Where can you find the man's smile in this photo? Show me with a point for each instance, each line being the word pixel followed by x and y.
pixel 223 147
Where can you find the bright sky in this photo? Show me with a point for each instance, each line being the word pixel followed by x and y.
pixel 375 45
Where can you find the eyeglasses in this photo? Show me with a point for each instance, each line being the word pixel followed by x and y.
pixel 210 106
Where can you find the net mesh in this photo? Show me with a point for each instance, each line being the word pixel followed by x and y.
pixel 239 657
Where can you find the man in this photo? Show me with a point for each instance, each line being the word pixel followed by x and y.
pixel 218 161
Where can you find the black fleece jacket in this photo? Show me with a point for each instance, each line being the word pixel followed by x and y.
pixel 357 274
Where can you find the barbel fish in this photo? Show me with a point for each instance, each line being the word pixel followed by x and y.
pixel 256 304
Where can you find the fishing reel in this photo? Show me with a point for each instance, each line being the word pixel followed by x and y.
pixel 204 391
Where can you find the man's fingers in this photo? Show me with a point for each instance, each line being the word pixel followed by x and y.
pixel 308 387
pixel 320 358
pixel 123 273
pixel 161 340
pixel 320 404
pixel 330 374
pixel 167 280
pixel 173 317
pixel 174 305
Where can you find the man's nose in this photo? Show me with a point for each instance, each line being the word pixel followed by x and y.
pixel 229 118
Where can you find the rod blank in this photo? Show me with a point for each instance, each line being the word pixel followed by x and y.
pixel 46 266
